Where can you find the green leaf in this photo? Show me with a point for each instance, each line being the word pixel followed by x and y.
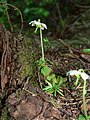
pixel 46 71
pixel 60 80
pixel 86 51
pixel 27 10
pixel 39 11
pixel 45 40
pixel 40 63
pixel 81 117
pixel 59 91
pixel 55 93
pixel 49 84
pixel 53 83
pixel 50 77
pixel 46 88
pixel 88 116
pixel 50 91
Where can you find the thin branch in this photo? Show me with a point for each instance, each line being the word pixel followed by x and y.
pixel 11 28
pixel 15 8
pixel 82 6
pixel 71 49
pixel 59 13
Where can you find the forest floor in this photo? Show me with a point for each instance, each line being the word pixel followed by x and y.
pixel 27 101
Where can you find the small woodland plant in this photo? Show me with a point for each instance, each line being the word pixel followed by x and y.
pixel 81 74
pixel 53 83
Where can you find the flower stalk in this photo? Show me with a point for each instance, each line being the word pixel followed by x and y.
pixel 84 100
pixel 42 47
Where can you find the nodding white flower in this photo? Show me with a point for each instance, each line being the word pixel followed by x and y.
pixel 84 76
pixel 38 24
pixel 77 73
pixel 73 73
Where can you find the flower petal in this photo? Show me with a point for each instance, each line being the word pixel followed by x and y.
pixel 43 26
pixel 33 22
pixel 84 76
pixel 73 72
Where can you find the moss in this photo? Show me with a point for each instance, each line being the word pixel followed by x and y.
pixel 5 114
pixel 26 59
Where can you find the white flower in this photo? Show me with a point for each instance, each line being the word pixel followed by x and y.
pixel 73 72
pixel 43 26
pixel 77 73
pixel 84 76
pixel 38 24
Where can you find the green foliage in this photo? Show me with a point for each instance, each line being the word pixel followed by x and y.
pixel 46 70
pixel 46 40
pixel 45 2
pixel 86 51
pixel 40 63
pixel 53 83
pixel 51 77
pixel 81 117
pixel 39 11
pixel 34 10
pixel 59 19
pixel 53 88
pixel 3 9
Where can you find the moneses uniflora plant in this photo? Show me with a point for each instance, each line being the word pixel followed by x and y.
pixel 53 83
pixel 81 74
pixel 40 26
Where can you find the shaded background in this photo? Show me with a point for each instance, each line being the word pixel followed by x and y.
pixel 61 16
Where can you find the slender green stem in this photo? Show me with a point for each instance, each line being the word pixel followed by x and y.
pixel 76 82
pixel 84 100
pixel 42 44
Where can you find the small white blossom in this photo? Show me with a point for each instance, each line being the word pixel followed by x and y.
pixel 73 72
pixel 38 24
pixel 80 73
pixel 33 23
pixel 43 26
pixel 84 76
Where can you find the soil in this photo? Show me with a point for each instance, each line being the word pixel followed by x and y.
pixel 23 99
